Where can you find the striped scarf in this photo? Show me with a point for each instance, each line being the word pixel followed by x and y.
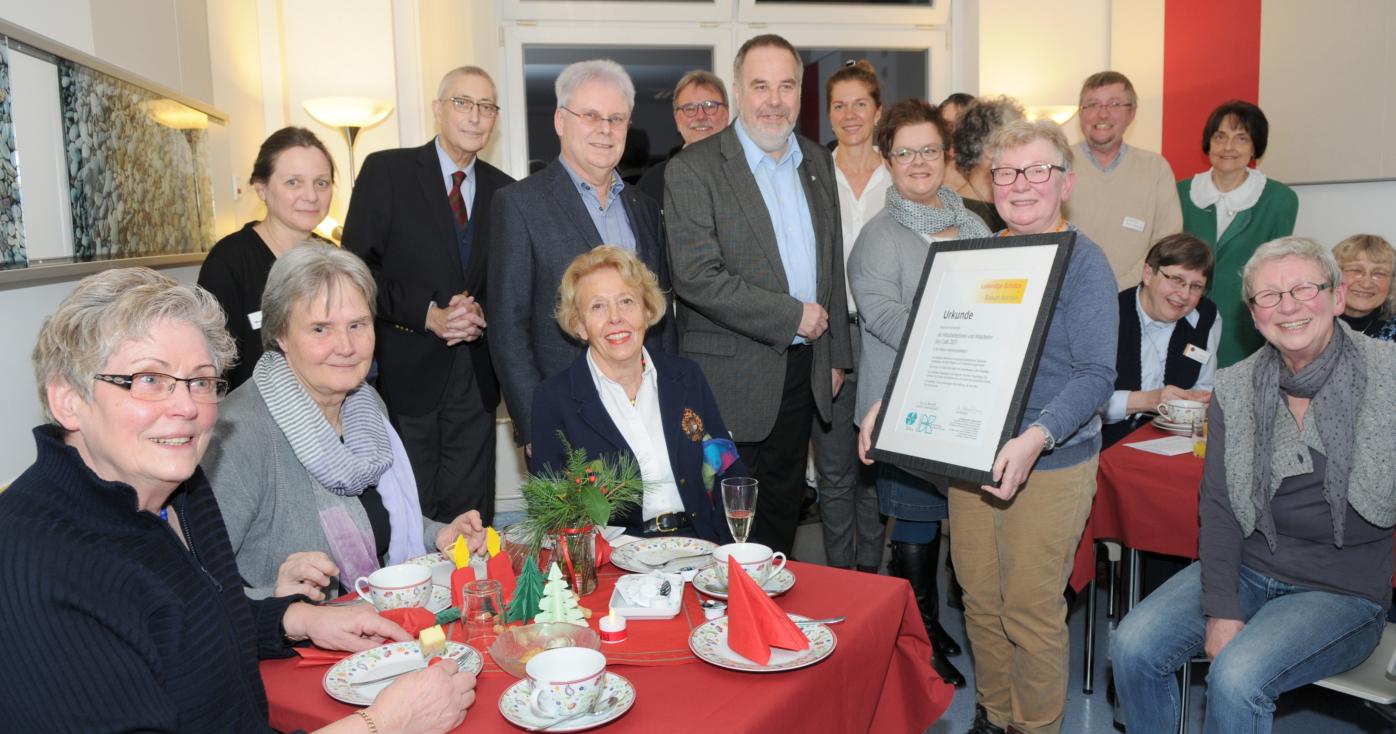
pixel 346 467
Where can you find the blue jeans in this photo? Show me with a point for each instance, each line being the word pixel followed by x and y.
pixel 907 497
pixel 1293 636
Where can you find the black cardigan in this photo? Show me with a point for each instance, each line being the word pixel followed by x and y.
pixel 110 623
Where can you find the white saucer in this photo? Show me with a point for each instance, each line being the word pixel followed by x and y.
pixel 1163 424
pixel 638 555
pixel 385 659
pixel 514 705
pixel 440 599
pixel 709 642
pixel 707 582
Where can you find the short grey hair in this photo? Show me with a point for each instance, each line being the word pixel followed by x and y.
pixel 1301 247
pixel 308 270
pixel 977 124
pixel 594 70
pixel 112 308
pixel 1018 133
pixel 462 71
pixel 701 78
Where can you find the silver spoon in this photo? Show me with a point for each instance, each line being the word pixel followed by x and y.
pixel 826 620
pixel 597 707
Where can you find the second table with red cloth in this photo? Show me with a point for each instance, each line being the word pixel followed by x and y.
pixel 1146 501
pixel 878 679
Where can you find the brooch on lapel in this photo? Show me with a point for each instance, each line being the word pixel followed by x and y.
pixel 692 425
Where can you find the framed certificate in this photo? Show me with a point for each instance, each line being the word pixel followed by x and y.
pixel 967 360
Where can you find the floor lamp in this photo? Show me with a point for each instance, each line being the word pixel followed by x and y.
pixel 349 115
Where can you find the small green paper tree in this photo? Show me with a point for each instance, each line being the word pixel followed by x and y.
pixel 528 592
pixel 559 603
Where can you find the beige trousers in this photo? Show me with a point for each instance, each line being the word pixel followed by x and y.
pixel 1013 560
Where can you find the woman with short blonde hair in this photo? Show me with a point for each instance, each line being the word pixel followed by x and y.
pixel 1367 262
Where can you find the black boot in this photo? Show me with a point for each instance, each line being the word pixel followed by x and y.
pixel 916 562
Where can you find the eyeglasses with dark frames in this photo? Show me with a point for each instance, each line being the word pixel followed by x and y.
pixel 708 107
pixel 466 105
pixel 905 156
pixel 592 118
pixel 1036 174
pixel 1302 292
pixel 1110 106
pixel 157 386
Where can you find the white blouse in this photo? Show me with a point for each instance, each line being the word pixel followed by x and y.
pixel 642 427
pixel 1204 193
pixel 855 211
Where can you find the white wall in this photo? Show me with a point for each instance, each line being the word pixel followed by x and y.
pixel 1331 212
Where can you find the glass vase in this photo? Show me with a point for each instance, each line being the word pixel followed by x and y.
pixel 575 555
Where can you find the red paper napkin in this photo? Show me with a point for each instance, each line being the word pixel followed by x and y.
pixel 412 619
pixel 754 623
pixel 603 550
pixel 501 570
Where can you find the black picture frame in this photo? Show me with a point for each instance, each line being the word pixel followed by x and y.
pixel 1064 243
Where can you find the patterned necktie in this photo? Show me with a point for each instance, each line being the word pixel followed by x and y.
pixel 457 201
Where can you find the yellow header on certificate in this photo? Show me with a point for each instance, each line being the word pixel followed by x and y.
pixel 1001 290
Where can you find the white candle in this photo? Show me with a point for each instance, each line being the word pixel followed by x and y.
pixel 612 627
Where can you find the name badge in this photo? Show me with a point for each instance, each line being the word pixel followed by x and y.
pixel 255 319
pixel 1131 223
pixel 1197 353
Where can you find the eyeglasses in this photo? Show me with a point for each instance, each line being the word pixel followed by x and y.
pixel 1178 282
pixel 1111 106
pixel 1036 174
pixel 466 105
pixel 710 107
pixel 1301 292
pixel 592 118
pixel 157 386
pixel 1380 276
pixel 905 156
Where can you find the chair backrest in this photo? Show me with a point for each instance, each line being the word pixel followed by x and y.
pixel 1391 664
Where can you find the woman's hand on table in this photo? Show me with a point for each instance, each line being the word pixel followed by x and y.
pixel 467 524
pixel 353 628
pixel 865 431
pixel 306 572
pixel 1220 633
pixel 1014 463
pixel 427 701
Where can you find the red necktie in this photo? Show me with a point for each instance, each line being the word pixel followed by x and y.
pixel 458 201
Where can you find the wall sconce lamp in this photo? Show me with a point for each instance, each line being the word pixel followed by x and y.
pixel 179 116
pixel 1058 113
pixel 349 115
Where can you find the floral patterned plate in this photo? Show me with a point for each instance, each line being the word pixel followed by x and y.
pixel 385 659
pixel 709 642
pixel 634 556
pixel 515 707
pixel 707 582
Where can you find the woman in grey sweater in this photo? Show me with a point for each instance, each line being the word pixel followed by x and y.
pixel 884 271
pixel 1297 506
pixel 313 482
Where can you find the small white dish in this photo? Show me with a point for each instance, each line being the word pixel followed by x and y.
pixel 514 705
pixel 384 660
pixel 707 582
pixel 668 610
pixel 709 643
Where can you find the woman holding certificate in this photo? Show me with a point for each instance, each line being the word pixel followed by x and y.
pixel 884 271
pixel 1014 542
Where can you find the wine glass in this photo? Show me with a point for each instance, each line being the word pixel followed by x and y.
pixel 739 497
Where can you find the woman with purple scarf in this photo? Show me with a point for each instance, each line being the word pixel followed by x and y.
pixel 313 481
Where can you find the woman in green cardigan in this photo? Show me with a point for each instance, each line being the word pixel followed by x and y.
pixel 1235 209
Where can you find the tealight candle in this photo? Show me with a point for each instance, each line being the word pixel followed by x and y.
pixel 612 627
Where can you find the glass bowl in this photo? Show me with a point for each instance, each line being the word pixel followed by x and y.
pixel 515 646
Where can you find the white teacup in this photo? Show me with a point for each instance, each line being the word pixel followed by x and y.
pixel 565 680
pixel 396 587
pixel 756 559
pixel 1182 411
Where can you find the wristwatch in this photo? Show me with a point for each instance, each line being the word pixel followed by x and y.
pixel 1048 443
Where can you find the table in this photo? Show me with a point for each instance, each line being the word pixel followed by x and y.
pixel 878 679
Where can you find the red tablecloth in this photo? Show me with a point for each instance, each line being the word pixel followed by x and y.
pixel 878 679
pixel 1145 501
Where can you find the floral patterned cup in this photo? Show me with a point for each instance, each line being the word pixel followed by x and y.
pixel 565 680
pixel 396 587
pixel 756 559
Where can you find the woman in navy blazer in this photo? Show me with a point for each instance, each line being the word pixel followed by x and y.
pixel 618 398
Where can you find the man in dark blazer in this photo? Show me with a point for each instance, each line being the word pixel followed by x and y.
pixel 700 112
pixel 544 221
pixel 755 242
pixel 420 218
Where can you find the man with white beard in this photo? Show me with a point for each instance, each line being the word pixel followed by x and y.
pixel 752 215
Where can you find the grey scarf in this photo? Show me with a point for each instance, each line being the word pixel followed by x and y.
pixel 1335 382
pixel 927 220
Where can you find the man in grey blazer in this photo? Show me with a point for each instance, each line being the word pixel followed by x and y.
pixel 753 221
pixel 542 223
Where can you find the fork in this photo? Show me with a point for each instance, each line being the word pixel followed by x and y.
pixel 675 558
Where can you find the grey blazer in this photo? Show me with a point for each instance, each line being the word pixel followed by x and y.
pixel 269 501
pixel 736 318
pixel 538 226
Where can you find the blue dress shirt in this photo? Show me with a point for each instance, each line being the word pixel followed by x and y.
pixel 610 219
pixel 779 182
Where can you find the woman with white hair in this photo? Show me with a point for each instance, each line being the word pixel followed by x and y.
pixel 123 607
pixel 1298 501
pixel 314 483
